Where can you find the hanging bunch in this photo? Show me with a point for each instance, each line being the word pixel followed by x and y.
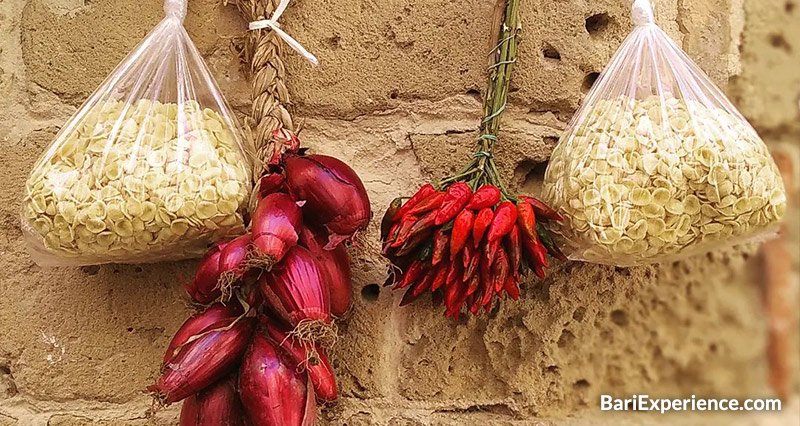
pixel 257 354
pixel 467 239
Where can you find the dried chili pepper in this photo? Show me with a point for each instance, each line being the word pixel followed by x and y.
pixel 456 197
pixel 549 244
pixel 413 273
pixel 526 220
pixel 482 222
pixel 389 216
pixel 441 276
pixel 504 219
pixel 422 193
pixel 440 242
pixel 485 196
pixel 461 232
pixel 542 209
pixel 511 287
pixel 432 202
pixel 404 231
pixel 514 249
pixel 500 270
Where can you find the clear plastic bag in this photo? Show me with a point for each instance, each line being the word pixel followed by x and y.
pixel 657 163
pixel 152 167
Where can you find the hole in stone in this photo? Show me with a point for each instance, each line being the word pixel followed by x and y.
pixel 589 81
pixel 619 317
pixel 370 292
pixel 90 270
pixel 581 384
pixel 550 140
pixel 130 329
pixel 579 314
pixel 550 52
pixel 596 24
pixel 4 369
pixel 712 348
pixel 789 7
pixel 552 369
pixel 530 174
pixel 566 339
pixel 393 94
pixel 138 269
pixel 778 41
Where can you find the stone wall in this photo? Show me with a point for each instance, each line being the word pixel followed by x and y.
pixel 397 94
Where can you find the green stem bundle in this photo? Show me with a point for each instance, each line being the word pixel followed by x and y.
pixel 482 169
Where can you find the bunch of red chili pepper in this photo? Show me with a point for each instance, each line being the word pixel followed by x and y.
pixel 466 246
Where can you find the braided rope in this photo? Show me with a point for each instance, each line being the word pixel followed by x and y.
pixel 261 55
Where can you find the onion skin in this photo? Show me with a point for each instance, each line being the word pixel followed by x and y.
pixel 276 225
pixel 202 362
pixel 203 289
pixel 231 262
pixel 311 359
pixel 217 405
pixel 296 287
pixel 334 194
pixel 273 392
pixel 215 316
pixel 335 267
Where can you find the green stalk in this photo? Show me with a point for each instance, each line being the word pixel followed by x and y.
pixel 482 170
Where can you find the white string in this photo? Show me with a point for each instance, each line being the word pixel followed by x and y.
pixel 273 24
pixel 642 13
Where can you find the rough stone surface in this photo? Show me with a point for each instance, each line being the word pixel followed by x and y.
pixel 397 95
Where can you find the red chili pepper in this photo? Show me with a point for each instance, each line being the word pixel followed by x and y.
pixel 474 304
pixel 472 287
pixel 514 248
pixel 532 248
pixel 472 267
pixel 512 287
pixel 542 209
pixel 482 222
pixel 526 220
pixel 485 196
pixel 441 276
pixel 456 197
pixel 388 217
pixel 411 244
pixel 486 296
pixel 503 221
pixel 485 272
pixel 489 251
pixel 432 202
pixel 500 270
pixel 413 274
pixel 422 193
pixel 424 223
pixel 454 274
pixel 461 231
pixel 405 230
pixel 440 242
pixel 426 282
pixel 454 297
pixel 466 257
pixel 390 238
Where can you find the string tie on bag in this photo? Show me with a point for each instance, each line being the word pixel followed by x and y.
pixel 642 13
pixel 272 23
pixel 175 9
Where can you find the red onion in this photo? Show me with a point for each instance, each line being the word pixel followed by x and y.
pixel 217 405
pixel 334 194
pixel 273 182
pixel 215 316
pixel 231 263
pixel 335 267
pixel 295 288
pixel 273 392
pixel 309 357
pixel 203 289
pixel 276 224
pixel 201 362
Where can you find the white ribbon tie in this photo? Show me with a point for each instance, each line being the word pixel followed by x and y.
pixel 273 24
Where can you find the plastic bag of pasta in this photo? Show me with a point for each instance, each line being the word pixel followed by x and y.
pixel 657 164
pixel 152 167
